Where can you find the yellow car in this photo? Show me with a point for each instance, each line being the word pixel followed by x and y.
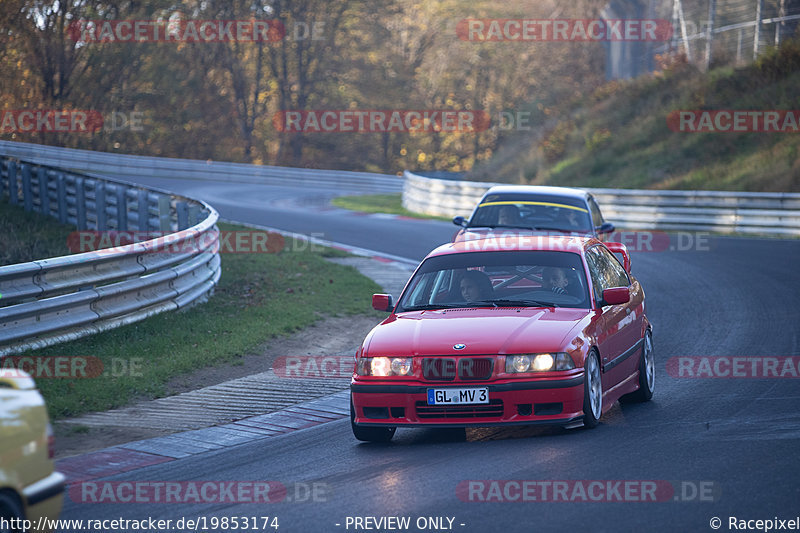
pixel 30 490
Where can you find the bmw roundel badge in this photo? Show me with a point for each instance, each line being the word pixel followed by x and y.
pixel 459 346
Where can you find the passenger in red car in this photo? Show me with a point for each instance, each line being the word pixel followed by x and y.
pixel 555 279
pixel 476 286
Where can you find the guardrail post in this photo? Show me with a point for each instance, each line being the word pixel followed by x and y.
pixel 13 188
pixel 80 203
pixel 757 36
pixel 779 25
pixel 144 212
pixel 44 196
pixel 712 15
pixel 122 209
pixel 100 205
pixel 194 214
pixel 62 197
pixel 27 195
pixel 164 220
pixel 182 209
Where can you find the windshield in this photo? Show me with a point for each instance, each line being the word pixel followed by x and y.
pixel 535 212
pixel 498 279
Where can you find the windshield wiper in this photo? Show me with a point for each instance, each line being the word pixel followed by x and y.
pixel 425 307
pixel 516 303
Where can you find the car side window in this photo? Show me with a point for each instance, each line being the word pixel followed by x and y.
pixel 597 217
pixel 622 279
pixel 596 271
pixel 606 270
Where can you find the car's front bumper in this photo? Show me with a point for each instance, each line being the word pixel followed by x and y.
pixel 529 402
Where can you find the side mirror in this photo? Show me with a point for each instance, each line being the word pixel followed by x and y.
pixel 616 296
pixel 382 302
pixel 606 227
pixel 619 248
pixel 460 221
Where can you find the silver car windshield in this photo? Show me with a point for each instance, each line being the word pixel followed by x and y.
pixel 545 213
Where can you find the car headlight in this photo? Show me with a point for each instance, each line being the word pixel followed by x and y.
pixel 541 362
pixel 401 366
pixel 384 366
pixel 519 363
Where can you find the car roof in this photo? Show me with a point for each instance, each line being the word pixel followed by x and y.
pixel 509 242
pixel 538 189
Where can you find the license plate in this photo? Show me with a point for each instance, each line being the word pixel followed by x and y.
pixel 458 396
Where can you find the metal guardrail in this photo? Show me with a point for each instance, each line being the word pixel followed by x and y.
pixel 717 211
pixel 52 300
pixel 133 166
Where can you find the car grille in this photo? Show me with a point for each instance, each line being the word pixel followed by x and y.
pixel 472 368
pixel 494 409
pixel 468 368
pixel 439 369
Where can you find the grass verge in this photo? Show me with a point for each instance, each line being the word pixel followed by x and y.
pixel 622 137
pixel 379 203
pixel 28 236
pixel 259 297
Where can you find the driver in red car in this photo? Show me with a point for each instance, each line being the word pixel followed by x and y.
pixel 476 286
pixel 554 279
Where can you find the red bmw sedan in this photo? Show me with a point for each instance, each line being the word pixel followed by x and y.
pixel 518 330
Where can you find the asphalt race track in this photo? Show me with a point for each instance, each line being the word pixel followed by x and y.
pixel 715 447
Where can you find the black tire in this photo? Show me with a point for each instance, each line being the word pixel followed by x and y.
pixel 369 434
pixel 647 373
pixel 9 508
pixel 592 392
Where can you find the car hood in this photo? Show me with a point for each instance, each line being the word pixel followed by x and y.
pixel 499 330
